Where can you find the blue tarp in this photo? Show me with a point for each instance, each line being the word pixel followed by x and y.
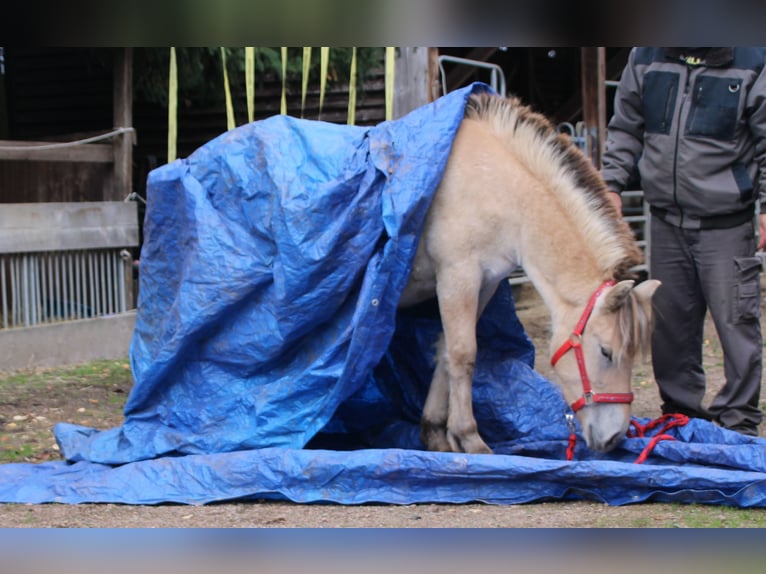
pixel 270 360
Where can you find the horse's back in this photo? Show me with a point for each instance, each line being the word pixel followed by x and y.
pixel 472 225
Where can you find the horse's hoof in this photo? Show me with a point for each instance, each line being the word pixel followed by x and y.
pixel 470 444
pixel 479 449
pixel 434 438
pixel 483 449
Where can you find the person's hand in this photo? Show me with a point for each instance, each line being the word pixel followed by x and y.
pixel 617 202
pixel 761 231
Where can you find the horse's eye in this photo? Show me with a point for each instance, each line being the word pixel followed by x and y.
pixel 606 353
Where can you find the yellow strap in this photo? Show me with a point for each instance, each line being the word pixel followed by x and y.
pixel 250 82
pixel 229 105
pixel 172 107
pixel 305 78
pixel 390 72
pixel 324 61
pixel 352 90
pixel 283 103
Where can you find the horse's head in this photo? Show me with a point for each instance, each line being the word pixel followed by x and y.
pixel 594 361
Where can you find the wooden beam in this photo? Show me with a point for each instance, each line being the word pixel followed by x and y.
pixel 123 117
pixel 14 150
pixel 594 100
pixel 62 226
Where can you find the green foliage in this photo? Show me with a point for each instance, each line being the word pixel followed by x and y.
pixel 200 76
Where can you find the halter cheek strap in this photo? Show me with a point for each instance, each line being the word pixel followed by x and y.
pixel 575 342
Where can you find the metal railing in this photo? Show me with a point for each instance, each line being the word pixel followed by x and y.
pixel 496 78
pixel 40 288
pixel 66 261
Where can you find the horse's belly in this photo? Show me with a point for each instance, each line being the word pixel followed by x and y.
pixel 420 287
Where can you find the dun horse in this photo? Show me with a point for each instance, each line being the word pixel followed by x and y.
pixel 515 192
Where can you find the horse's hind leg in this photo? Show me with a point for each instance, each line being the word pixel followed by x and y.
pixel 458 293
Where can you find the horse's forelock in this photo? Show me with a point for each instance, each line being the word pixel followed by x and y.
pixel 510 113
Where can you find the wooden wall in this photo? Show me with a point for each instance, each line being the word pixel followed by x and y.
pixel 63 94
pixel 57 95
pixel 198 125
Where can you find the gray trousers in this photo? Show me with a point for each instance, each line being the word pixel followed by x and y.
pixel 711 269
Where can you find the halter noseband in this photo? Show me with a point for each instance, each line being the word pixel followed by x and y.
pixel 575 342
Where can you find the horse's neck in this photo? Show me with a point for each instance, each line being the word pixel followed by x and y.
pixel 564 278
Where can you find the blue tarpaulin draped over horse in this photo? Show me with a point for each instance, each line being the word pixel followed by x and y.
pixel 270 360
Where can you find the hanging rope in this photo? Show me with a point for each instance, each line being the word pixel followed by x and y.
pixel 58 145
pixel 390 71
pixel 305 77
pixel 250 82
pixel 352 90
pixel 324 62
pixel 283 103
pixel 172 107
pixel 227 90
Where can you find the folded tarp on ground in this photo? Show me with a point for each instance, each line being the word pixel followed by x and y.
pixel 270 360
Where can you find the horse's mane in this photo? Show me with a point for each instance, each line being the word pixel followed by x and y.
pixel 557 162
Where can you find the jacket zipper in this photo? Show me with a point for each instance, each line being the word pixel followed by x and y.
pixel 681 105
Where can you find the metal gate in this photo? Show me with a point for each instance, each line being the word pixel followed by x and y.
pixel 65 261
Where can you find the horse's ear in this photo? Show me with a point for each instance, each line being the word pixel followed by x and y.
pixel 617 295
pixel 644 292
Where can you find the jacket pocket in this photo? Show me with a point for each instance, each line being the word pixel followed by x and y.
pixel 714 107
pixel 659 99
pixel 747 299
pixel 744 182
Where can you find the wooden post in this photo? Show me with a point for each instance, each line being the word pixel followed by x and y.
pixel 434 77
pixel 594 100
pixel 123 118
pixel 3 100
pixel 412 79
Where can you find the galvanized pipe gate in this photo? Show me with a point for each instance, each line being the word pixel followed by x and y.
pixel 68 267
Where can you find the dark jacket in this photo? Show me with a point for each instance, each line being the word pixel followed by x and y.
pixel 693 123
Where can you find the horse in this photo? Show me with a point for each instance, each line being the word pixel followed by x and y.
pixel 515 192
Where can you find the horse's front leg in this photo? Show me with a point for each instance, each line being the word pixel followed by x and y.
pixel 458 305
pixel 433 424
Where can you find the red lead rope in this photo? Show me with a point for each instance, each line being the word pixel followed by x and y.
pixel 637 430
pixel 665 422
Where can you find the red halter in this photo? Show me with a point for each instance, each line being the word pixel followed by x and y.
pixel 575 342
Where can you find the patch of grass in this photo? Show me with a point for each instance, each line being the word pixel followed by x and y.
pixel 15 454
pixel 676 515
pixel 33 401
pixel 701 516
pixel 98 372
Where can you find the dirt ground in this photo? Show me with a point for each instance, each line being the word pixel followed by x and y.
pixel 93 395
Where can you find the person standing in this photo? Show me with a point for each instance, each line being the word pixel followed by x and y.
pixel 691 124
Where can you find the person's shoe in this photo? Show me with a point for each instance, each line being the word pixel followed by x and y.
pixel 668 408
